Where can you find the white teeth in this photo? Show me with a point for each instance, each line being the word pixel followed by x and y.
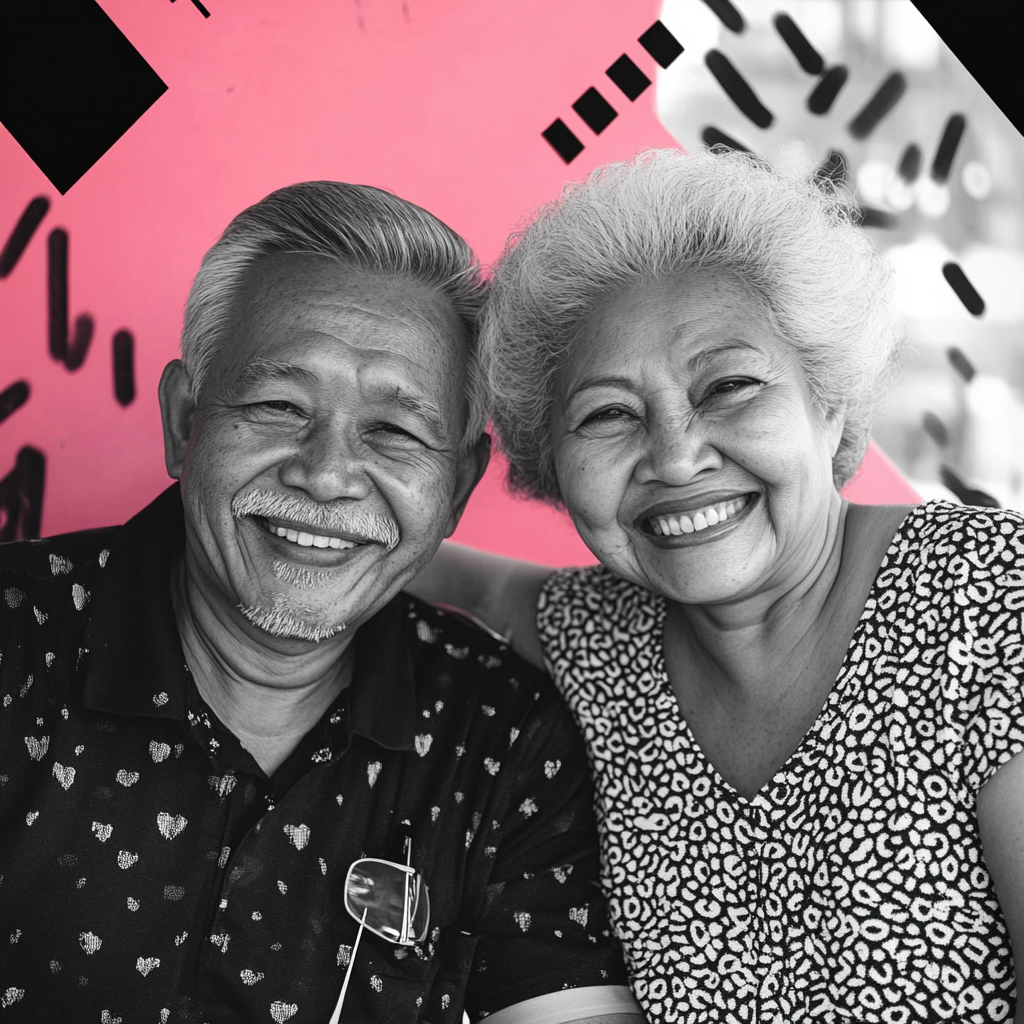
pixel 308 540
pixel 713 515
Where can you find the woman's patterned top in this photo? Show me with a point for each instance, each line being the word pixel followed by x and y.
pixel 852 887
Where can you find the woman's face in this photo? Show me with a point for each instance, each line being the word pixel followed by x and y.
pixel 687 449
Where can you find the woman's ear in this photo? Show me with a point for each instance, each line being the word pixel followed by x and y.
pixel 177 408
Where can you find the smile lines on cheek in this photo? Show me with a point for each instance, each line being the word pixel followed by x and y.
pixel 675 526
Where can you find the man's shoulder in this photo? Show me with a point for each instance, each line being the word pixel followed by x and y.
pixel 445 643
pixel 53 557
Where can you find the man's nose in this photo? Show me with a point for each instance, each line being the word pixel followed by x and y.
pixel 677 451
pixel 328 463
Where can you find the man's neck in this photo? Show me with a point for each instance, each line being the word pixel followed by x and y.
pixel 268 692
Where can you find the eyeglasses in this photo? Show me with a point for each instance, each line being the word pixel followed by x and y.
pixel 391 900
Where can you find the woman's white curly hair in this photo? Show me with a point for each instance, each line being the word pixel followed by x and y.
pixel 795 243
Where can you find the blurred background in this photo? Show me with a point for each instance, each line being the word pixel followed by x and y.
pixel 954 419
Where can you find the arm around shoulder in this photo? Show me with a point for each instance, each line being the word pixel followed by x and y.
pixel 499 592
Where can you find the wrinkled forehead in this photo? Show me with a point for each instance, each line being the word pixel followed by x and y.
pixel 290 300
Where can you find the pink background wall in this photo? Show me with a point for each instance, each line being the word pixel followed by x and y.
pixel 440 101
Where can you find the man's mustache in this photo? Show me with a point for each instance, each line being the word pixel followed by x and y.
pixel 335 516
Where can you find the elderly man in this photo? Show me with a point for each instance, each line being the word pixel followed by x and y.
pixel 243 776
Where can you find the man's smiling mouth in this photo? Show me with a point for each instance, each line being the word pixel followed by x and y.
pixel 305 539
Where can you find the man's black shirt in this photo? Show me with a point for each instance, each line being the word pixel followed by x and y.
pixel 151 871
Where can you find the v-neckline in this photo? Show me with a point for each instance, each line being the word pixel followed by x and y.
pixel 664 691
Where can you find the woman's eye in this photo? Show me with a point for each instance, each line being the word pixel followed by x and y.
pixel 731 386
pixel 611 415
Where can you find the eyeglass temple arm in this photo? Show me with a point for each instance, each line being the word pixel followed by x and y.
pixel 406 910
pixel 336 1016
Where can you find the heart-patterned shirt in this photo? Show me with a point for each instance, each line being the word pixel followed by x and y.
pixel 152 872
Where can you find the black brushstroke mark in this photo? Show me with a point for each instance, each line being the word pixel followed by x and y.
pixel 965 291
pixel 21 496
pixel 562 140
pixel 595 110
pixel 968 495
pixel 935 429
pixel 628 77
pixel 737 89
pixel 833 170
pixel 870 217
pixel 661 44
pixel 824 94
pixel 886 96
pixel 13 398
pixel 960 363
pixel 951 136
pixel 713 136
pixel 71 354
pixel 22 234
pixel 727 15
pixel 910 163
pixel 124 367
pixel 71 84
pixel 800 46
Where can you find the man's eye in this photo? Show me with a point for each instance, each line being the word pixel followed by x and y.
pixel 278 406
pixel 394 432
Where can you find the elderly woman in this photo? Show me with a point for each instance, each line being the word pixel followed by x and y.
pixel 805 717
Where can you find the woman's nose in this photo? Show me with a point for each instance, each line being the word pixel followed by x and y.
pixel 676 453
pixel 328 463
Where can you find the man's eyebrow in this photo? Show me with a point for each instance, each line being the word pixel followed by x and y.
pixel 266 371
pixel 396 395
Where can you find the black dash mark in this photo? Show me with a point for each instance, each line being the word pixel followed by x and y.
pixel 951 136
pixel 960 363
pixel 22 233
pixel 833 170
pixel 869 217
pixel 800 46
pixel 628 77
pixel 886 96
pixel 910 163
pixel 71 84
pixel 713 136
pixel 70 352
pixel 968 495
pixel 965 292
pixel 727 15
pixel 935 429
pixel 21 496
pixel 595 110
pixel 205 13
pixel 13 398
pixel 824 94
pixel 736 88
pixel 124 367
pixel 661 44
pixel 562 140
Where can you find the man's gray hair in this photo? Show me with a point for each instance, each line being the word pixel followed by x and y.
pixel 795 243
pixel 357 225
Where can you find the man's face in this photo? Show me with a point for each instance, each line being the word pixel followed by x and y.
pixel 322 469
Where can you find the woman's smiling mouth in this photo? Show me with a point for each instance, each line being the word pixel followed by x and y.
pixel 695 521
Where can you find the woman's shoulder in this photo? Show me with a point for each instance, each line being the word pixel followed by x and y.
pixel 963 540
pixel 594 594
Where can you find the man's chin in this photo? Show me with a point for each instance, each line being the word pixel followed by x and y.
pixel 286 622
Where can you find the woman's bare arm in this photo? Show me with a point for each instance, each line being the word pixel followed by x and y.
pixel 1001 824
pixel 501 592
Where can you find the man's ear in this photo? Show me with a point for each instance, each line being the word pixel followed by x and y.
pixel 471 468
pixel 177 408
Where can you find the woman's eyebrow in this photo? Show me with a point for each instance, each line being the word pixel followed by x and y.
pixel 590 383
pixel 699 360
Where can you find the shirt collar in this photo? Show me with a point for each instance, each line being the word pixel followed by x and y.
pixel 135 665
